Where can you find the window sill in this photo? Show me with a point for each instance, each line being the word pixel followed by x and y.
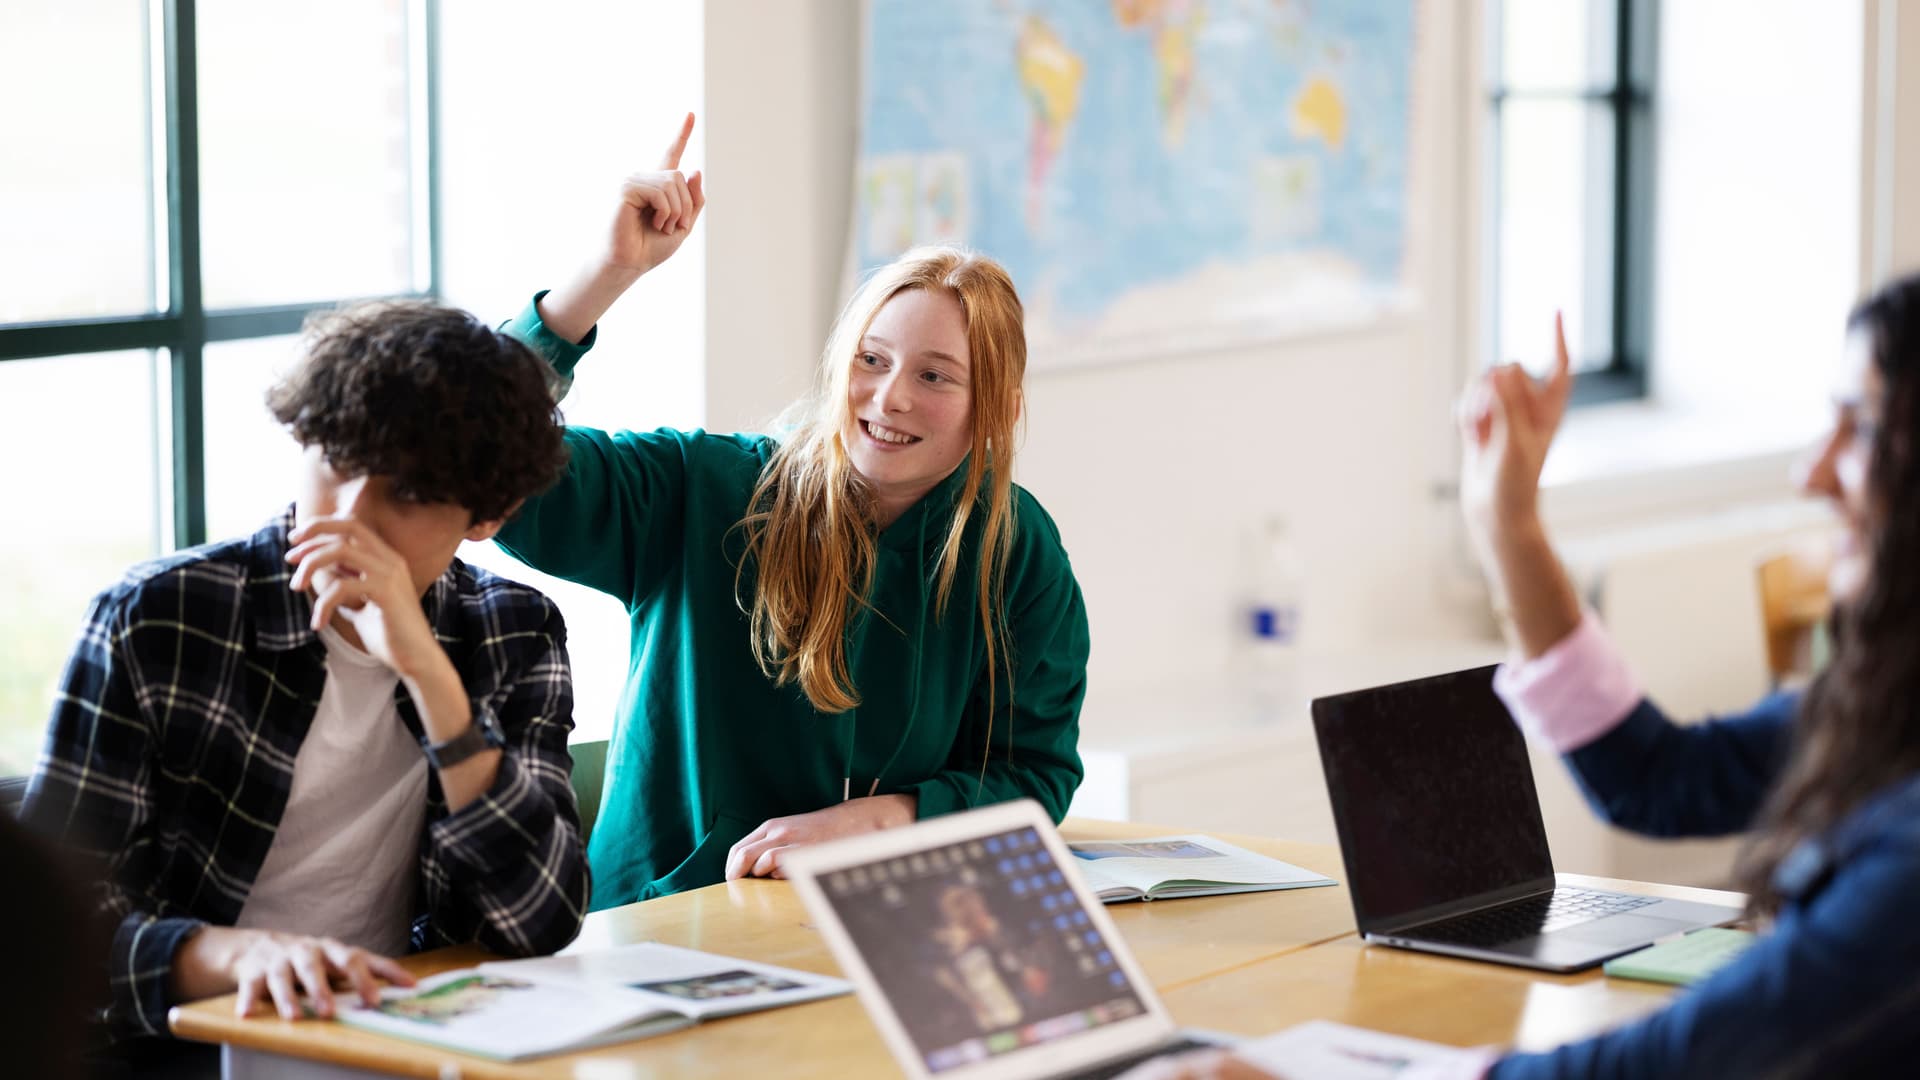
pixel 1641 462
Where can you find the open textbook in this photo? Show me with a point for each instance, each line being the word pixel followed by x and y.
pixel 514 1009
pixel 1165 867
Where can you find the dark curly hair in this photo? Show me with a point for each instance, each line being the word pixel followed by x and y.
pixel 1858 728
pixel 446 407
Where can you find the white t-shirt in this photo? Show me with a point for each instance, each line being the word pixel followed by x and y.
pixel 344 861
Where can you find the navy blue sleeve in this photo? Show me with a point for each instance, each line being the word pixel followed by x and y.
pixel 1659 778
pixel 1829 992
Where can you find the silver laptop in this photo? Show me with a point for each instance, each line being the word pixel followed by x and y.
pixel 1441 833
pixel 980 953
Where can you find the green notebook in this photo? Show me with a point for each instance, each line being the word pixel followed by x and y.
pixel 1684 959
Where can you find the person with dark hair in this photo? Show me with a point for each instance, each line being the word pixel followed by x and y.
pixel 293 756
pixel 1827 782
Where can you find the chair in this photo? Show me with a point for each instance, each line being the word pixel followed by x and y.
pixel 1794 607
pixel 589 776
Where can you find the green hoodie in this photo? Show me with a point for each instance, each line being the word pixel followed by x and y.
pixel 705 746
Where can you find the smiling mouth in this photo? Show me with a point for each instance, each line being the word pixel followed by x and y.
pixel 886 436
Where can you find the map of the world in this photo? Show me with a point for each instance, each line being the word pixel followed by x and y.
pixel 1156 174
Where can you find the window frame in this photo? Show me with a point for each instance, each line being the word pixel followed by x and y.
pixel 186 327
pixel 1627 266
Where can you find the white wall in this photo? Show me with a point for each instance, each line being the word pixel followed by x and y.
pixel 780 89
pixel 1892 245
pixel 1757 200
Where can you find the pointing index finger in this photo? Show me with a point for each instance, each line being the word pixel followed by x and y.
pixel 679 145
pixel 1562 363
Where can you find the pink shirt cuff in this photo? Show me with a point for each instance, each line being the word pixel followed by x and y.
pixel 1573 693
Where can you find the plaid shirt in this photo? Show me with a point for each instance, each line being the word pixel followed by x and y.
pixel 171 749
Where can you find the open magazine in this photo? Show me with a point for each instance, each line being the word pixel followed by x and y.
pixel 1166 867
pixel 514 1009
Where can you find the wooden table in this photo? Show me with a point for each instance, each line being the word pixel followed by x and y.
pixel 1178 944
pixel 1438 998
pixel 1248 964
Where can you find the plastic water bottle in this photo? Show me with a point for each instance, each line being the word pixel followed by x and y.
pixel 1270 621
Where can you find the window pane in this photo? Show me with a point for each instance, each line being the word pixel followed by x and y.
pixel 85 513
pixel 1555 231
pixel 1556 44
pixel 251 460
pixel 303 150
pixel 75 199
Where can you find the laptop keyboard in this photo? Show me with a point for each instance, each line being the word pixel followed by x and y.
pixel 1114 1068
pixel 1527 917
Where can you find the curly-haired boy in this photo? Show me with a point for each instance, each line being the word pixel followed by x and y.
pixel 298 754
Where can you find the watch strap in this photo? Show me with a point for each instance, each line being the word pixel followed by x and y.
pixel 481 735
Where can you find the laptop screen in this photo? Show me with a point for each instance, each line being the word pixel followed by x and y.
pixel 981 947
pixel 1432 793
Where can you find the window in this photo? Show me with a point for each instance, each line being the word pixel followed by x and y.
pixel 1715 322
pixel 201 177
pixel 1571 167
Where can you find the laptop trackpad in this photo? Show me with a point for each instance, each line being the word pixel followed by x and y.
pixel 1623 929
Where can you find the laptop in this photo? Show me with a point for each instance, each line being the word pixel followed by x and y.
pixel 1440 830
pixel 980 953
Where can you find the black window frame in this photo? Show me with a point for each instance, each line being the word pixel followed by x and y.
pixel 186 327
pixel 1625 174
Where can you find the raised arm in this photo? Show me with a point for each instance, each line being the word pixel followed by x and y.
pixel 1507 423
pixel 1568 687
pixel 657 210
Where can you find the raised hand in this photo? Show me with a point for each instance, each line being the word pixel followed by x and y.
pixel 657 210
pixel 1507 423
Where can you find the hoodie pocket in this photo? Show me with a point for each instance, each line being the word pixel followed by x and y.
pixel 708 863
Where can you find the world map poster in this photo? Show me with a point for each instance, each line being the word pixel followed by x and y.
pixel 1157 175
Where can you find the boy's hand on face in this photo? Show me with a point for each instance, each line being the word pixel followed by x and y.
pixel 354 575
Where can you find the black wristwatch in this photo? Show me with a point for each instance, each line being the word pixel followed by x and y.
pixel 483 734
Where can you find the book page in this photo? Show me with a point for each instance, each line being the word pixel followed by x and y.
pixel 500 1017
pixel 1189 859
pixel 1102 884
pixel 687 981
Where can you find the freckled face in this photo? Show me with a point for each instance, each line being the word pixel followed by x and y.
pixel 909 396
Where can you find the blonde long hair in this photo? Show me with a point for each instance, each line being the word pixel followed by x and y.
pixel 810 524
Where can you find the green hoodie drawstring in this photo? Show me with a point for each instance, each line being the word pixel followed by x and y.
pixel 913 709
